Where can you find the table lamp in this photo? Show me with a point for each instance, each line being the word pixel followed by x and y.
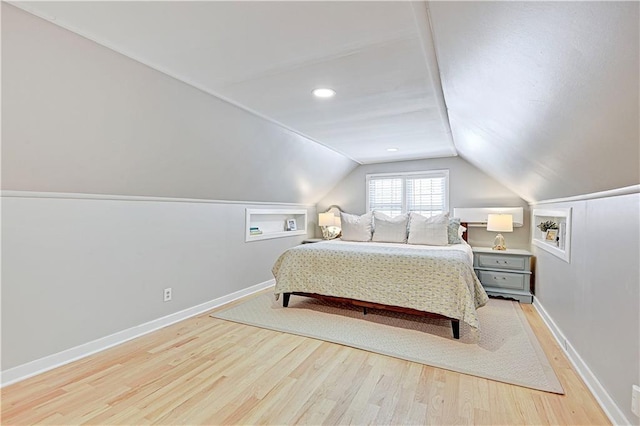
pixel 328 222
pixel 500 223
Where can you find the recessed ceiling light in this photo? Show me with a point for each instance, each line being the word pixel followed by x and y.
pixel 392 149
pixel 324 92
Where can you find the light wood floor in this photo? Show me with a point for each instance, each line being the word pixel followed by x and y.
pixel 208 371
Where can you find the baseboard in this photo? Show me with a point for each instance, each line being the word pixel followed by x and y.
pixel 605 401
pixel 33 368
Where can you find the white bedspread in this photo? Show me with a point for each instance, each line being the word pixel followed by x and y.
pixel 438 279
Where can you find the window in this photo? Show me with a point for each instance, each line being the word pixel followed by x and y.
pixel 393 194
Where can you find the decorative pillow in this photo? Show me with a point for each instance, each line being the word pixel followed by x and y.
pixel 388 229
pixel 429 230
pixel 356 228
pixel 453 231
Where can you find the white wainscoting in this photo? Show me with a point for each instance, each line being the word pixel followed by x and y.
pixel 591 304
pixel 59 359
pixel 607 403
pixel 83 272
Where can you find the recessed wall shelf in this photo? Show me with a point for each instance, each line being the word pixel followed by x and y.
pixel 562 246
pixel 272 223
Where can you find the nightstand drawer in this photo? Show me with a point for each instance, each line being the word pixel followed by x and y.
pixel 502 280
pixel 501 262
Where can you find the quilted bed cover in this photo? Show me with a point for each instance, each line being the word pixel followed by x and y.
pixel 439 279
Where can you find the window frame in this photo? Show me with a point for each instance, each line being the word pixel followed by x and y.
pixel 429 174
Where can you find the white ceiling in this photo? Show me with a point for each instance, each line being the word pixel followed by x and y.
pixel 268 56
pixel 543 96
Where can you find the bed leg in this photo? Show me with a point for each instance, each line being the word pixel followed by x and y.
pixel 364 309
pixel 455 326
pixel 285 299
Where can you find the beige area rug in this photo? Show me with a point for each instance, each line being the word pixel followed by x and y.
pixel 504 349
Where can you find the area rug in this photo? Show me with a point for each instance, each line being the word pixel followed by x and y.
pixel 504 349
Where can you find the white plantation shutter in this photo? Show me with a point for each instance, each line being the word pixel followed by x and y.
pixel 385 195
pixel 426 193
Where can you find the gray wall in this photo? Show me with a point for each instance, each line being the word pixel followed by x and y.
pixel 595 299
pixel 78 117
pixel 468 187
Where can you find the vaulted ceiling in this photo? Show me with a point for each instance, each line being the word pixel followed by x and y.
pixel 542 96
pixel 268 57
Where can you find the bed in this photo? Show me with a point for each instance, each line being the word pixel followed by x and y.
pixel 415 279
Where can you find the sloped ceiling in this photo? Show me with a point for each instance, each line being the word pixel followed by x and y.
pixel 543 96
pixel 268 57
pixel 80 118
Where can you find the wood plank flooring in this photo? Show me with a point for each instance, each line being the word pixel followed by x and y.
pixel 209 371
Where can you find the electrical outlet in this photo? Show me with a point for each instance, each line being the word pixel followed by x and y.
pixel 167 294
pixel 635 400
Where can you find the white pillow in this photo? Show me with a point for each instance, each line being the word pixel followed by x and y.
pixel 390 230
pixel 356 228
pixel 431 231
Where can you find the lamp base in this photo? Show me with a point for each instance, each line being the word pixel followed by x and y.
pixel 499 243
pixel 330 232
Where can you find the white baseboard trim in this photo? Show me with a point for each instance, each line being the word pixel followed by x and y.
pixel 33 368
pixel 607 404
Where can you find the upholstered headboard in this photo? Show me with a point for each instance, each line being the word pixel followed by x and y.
pixel 465 233
pixel 477 216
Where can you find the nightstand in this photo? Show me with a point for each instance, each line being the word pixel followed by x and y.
pixel 504 273
pixel 312 240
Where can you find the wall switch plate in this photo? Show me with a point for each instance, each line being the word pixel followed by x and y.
pixel 635 400
pixel 167 294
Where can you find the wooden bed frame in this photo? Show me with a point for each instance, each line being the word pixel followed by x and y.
pixel 455 323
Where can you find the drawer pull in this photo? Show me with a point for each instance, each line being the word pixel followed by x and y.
pixel 502 262
pixel 514 281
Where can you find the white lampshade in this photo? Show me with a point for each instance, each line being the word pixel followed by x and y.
pixel 326 219
pixel 500 223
